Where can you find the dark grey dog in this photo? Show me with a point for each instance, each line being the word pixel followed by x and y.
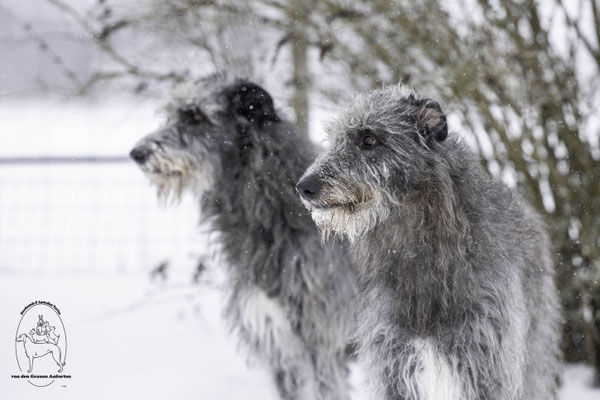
pixel 455 279
pixel 291 298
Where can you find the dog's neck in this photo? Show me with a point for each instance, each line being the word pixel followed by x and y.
pixel 254 197
pixel 418 253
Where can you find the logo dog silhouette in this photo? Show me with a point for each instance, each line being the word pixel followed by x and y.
pixel 35 350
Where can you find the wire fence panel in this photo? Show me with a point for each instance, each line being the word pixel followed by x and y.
pixel 81 215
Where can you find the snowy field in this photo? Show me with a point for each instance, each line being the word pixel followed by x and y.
pixel 84 237
pixel 129 338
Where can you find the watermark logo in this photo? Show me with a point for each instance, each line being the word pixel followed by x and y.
pixel 41 345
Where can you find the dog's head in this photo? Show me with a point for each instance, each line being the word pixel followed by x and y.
pixel 206 122
pixel 380 151
pixel 21 338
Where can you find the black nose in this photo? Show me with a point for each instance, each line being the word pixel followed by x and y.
pixel 308 187
pixel 140 154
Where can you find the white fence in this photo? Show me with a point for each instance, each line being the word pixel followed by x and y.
pixel 65 215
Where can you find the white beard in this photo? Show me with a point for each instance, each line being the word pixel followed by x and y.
pixel 172 177
pixel 352 224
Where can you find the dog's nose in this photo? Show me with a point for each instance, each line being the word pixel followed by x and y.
pixel 140 154
pixel 308 187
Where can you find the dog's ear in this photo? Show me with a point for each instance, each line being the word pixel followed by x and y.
pixel 431 120
pixel 252 102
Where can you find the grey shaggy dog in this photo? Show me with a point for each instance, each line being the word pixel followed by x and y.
pixel 455 277
pixel 290 297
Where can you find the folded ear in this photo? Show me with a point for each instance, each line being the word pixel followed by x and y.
pixel 431 120
pixel 252 102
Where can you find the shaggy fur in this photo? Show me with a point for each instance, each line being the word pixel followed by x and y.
pixel 290 297
pixel 455 279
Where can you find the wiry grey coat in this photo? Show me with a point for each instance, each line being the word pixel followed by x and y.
pixel 290 297
pixel 457 299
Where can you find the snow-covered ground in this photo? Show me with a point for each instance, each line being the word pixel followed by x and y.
pixel 84 238
pixel 131 338
pixel 128 339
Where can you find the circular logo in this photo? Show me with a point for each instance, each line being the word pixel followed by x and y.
pixel 41 344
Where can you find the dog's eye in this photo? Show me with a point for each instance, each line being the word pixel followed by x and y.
pixel 192 115
pixel 368 141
